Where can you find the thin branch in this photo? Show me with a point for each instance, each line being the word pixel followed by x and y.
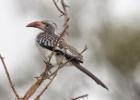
pixel 61 35
pixel 79 97
pixel 62 12
pixel 33 89
pixel 9 78
pixel 66 13
pixel 36 85
pixel 46 87
pixel 63 5
pixel 66 26
pixel 41 93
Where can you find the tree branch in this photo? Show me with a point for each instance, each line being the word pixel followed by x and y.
pixel 37 84
pixel 79 97
pixel 9 78
pixel 62 12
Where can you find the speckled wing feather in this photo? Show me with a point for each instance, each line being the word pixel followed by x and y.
pixel 71 51
pixel 49 41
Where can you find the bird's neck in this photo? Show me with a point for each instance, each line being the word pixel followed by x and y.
pixel 49 31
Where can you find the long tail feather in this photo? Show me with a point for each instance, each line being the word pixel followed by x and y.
pixel 76 63
pixel 97 80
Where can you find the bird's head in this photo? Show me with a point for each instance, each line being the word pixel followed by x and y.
pixel 46 26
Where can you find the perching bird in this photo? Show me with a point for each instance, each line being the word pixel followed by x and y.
pixel 47 39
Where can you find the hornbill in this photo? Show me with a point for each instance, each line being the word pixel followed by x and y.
pixel 47 39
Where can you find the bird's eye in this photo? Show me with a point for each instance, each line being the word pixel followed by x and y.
pixel 47 25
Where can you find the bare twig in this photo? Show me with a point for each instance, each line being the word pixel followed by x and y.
pixel 62 12
pixel 66 13
pixel 9 78
pixel 79 97
pixel 46 87
pixel 66 26
pixel 61 35
pixel 33 89
pixel 36 85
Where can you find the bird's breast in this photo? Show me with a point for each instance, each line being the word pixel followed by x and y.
pixel 46 41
